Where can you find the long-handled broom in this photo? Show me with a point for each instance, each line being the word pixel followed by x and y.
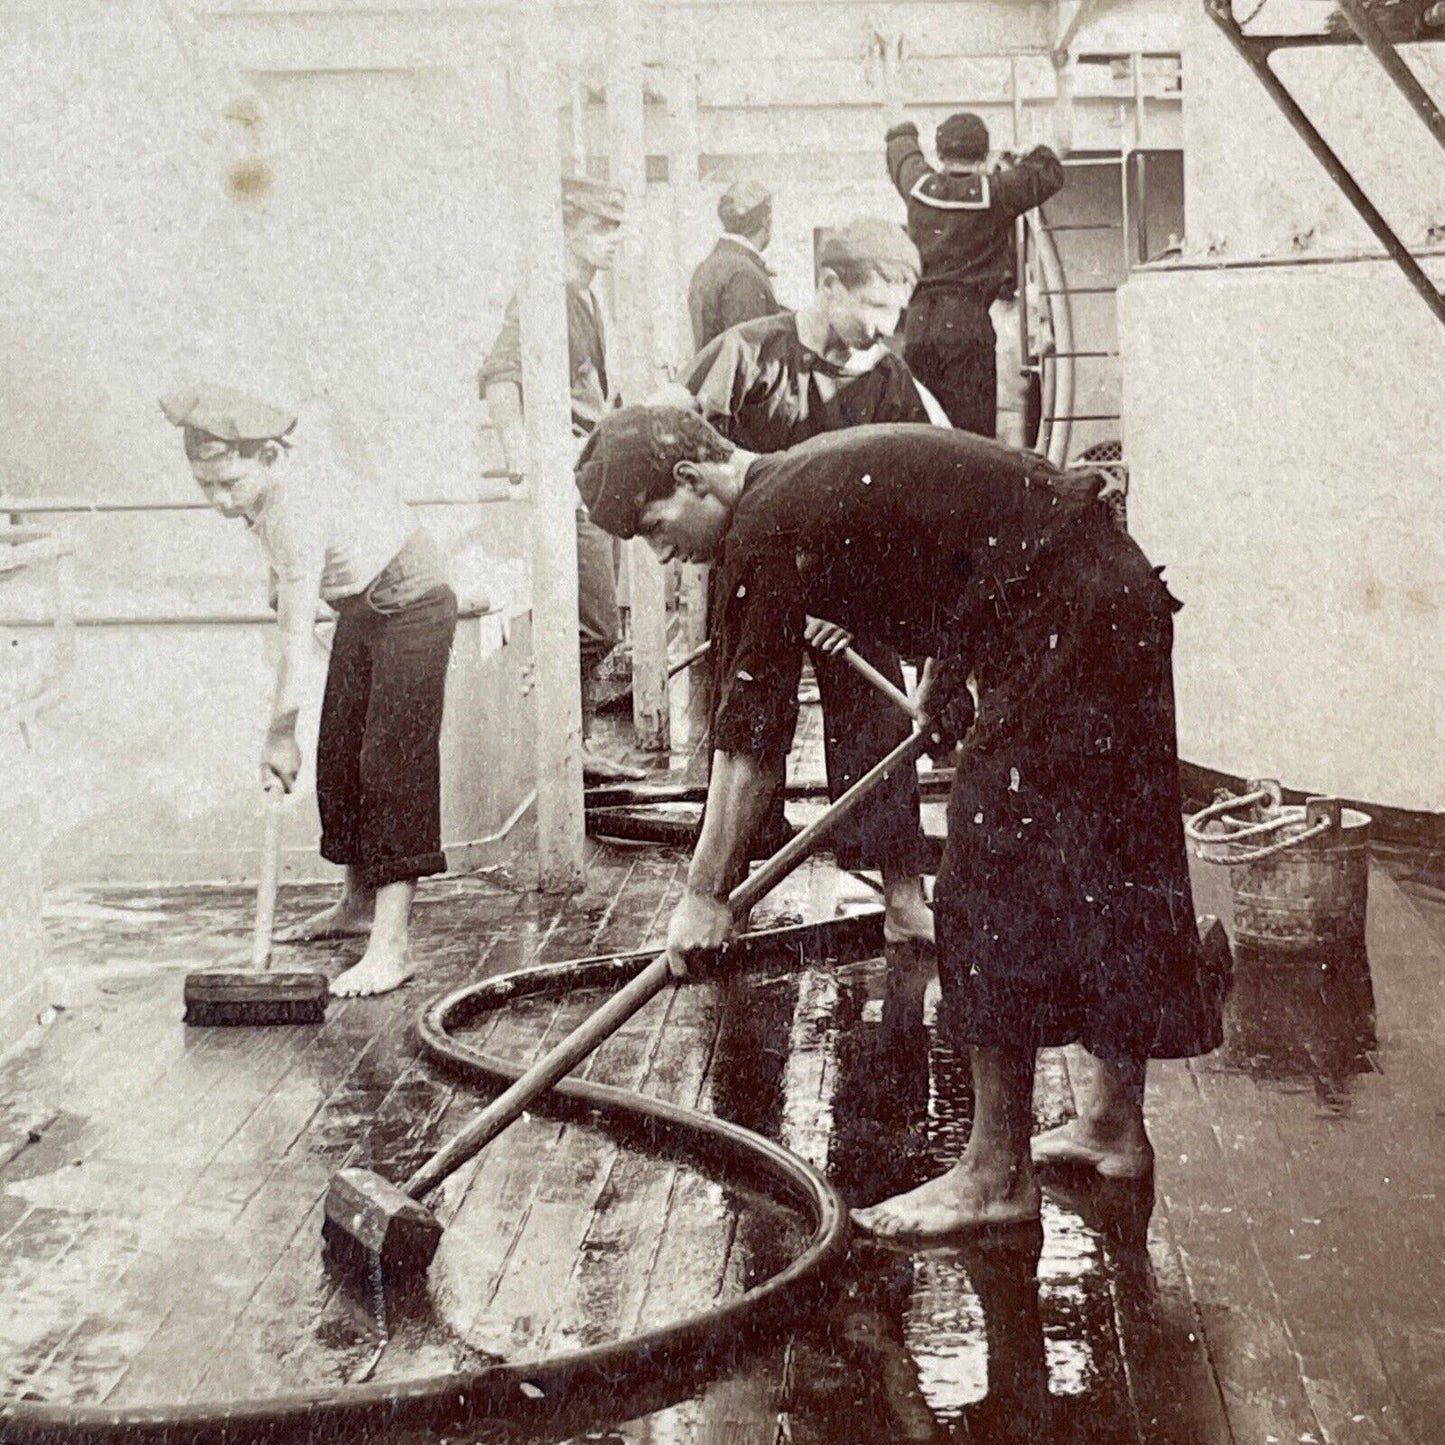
pixel 260 995
pixel 374 1224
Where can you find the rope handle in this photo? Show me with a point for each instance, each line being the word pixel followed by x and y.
pixel 1321 816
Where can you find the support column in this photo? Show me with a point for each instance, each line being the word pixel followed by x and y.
pixel 631 361
pixel 682 170
pixel 535 96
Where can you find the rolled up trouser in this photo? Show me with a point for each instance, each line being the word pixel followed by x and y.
pixel 1063 905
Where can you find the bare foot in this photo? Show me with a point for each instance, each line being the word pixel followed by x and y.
pixel 1124 1157
pixel 377 971
pixel 342 920
pixel 599 768
pixel 963 1199
pixel 907 918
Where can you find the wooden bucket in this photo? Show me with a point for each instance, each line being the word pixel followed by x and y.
pixel 1300 875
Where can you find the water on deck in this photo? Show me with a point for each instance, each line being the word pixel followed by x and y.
pixel 161 1188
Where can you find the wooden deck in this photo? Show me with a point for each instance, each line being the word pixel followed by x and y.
pixel 160 1190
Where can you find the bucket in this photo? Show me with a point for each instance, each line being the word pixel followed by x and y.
pixel 1300 875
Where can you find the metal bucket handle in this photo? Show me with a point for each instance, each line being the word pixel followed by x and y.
pixel 1322 815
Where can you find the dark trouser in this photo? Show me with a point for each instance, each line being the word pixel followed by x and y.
pixel 1063 905
pixel 860 728
pixel 378 760
pixel 951 347
pixel 599 624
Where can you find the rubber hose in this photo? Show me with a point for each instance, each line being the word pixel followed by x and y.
pixel 544 1393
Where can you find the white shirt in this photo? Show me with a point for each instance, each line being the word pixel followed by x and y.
pixel 329 533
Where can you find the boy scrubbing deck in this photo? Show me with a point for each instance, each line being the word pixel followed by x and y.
pixel 359 548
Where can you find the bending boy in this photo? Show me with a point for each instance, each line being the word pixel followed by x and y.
pixel 378 764
pixel 1063 903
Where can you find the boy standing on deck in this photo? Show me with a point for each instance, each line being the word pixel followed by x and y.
pixel 378 769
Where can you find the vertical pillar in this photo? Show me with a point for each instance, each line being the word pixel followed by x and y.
pixel 535 94
pixel 632 361
pixel 684 148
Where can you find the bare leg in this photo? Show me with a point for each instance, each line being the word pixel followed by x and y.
pixel 993 1184
pixel 387 962
pixel 1109 1133
pixel 348 917
pixel 907 918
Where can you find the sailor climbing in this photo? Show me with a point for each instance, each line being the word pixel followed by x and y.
pixel 1063 904
pixel 962 218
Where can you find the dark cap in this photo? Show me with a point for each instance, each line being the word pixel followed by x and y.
pixel 963 137
pixel 581 195
pixel 743 206
pixel 629 459
pixel 226 414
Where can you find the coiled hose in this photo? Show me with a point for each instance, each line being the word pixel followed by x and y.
pixel 541 1393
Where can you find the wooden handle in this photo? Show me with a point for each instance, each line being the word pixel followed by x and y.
pixel 266 887
pixel 891 691
pixel 558 1062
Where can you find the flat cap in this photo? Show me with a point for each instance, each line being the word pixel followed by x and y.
pixel 629 458
pixel 963 137
pixel 227 414
pixel 743 204
pixel 594 198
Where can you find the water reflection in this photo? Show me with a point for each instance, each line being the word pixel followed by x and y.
pixel 1302 1019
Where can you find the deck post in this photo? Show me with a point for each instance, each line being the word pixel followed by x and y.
pixel 682 172
pixel 535 100
pixel 632 359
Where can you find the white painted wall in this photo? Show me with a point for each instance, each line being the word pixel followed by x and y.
pixel 1283 413
pixel 1255 190
pixel 1283 428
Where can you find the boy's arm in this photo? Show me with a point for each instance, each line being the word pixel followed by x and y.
pixel 720 378
pixel 298 557
pixel 1019 188
pixel 500 383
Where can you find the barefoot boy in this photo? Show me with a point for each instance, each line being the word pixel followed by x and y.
pixel 358 547
pixel 1063 902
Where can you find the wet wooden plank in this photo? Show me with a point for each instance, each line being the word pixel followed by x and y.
pixel 609 1280
pixel 1171 1381
pixel 1249 1345
pixel 542 1275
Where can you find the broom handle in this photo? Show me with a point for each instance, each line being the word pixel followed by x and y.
pixel 266 887
pixel 566 1055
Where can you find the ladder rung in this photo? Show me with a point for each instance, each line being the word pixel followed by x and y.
pixel 1114 416
pixel 1075 355
pixel 1082 291
pixel 1086 226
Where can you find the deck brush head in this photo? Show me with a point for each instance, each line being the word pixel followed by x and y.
pixel 370 1220
pixel 256 998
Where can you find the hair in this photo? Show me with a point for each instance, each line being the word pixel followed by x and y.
pixel 963 137
pixel 679 434
pixel 869 248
